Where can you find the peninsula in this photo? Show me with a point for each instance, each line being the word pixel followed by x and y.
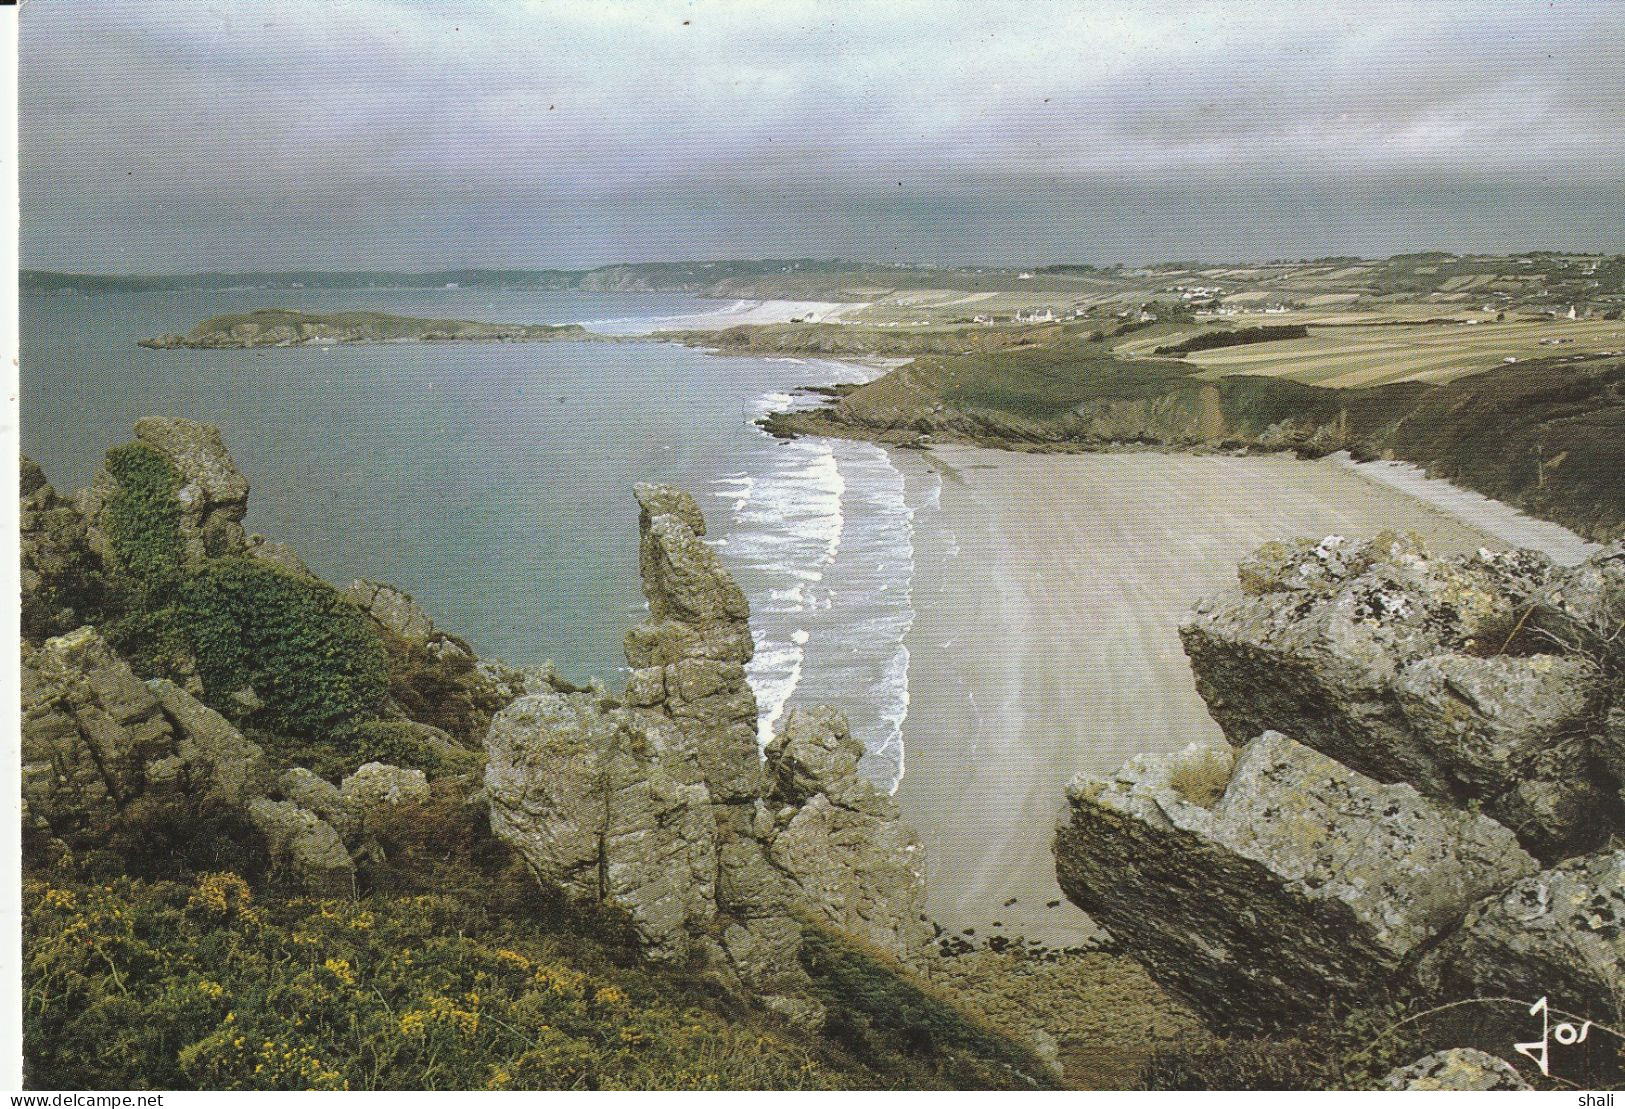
pixel 282 327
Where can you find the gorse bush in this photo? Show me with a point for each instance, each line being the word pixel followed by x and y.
pixel 142 518
pixel 308 653
pixel 162 985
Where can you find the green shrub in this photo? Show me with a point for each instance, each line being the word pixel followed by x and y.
pixel 155 642
pixel 132 985
pixel 305 650
pixel 142 519
pixel 401 743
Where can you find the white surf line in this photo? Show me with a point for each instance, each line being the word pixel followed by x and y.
pixel 1484 513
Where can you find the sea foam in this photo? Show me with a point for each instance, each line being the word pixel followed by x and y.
pixel 822 538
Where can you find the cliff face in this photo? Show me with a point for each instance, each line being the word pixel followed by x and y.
pixel 1547 437
pixel 1442 822
pixel 658 803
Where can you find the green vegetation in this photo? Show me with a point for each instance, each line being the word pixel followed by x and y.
pixel 142 518
pixel 1546 436
pixel 148 967
pixel 401 743
pixel 305 650
pixel 134 984
pixel 269 327
pixel 1244 336
pixel 901 1028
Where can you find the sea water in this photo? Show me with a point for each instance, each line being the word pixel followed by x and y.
pixel 493 481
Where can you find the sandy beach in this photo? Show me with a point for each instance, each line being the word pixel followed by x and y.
pixel 1048 590
pixel 737 313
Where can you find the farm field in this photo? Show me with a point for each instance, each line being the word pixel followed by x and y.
pixel 1361 352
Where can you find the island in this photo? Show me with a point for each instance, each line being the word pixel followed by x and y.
pixel 283 327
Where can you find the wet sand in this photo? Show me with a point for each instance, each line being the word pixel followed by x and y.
pixel 1048 591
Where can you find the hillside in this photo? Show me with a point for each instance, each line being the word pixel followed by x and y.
pixel 1546 436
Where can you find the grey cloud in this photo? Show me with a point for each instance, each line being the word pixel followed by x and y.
pixel 368 116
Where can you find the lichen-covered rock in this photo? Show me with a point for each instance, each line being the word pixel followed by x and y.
pixel 1582 608
pixel 814 753
pixel 1293 882
pixel 1414 669
pixel 579 789
pixel 688 659
pixel 1558 934
pixel 225 768
pixel 304 847
pixel 61 578
pixel 97 739
pixel 90 730
pixel 212 494
pixel 309 790
pixel 657 804
pixel 842 844
pixel 393 609
pixel 375 784
pixel 1458 1068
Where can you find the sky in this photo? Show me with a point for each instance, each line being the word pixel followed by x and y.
pixel 197 135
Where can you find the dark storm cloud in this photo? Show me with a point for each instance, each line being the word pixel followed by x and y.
pixel 187 135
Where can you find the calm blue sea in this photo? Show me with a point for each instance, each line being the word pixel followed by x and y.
pixel 493 482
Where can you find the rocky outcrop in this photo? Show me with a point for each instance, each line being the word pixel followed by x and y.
pixel 212 493
pixel 1448 709
pixel 1260 892
pixel 232 769
pixel 1558 934
pixel 393 609
pixel 102 749
pixel 377 784
pixel 61 578
pixel 435 677
pixel 94 737
pixel 840 839
pixel 1458 1068
pixel 579 787
pixel 1435 672
pixel 305 847
pixel 658 804
pixel 688 659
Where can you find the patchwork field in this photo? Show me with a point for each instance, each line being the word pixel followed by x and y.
pixel 1355 350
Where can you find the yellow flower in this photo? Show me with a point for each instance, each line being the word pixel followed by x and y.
pixel 340 969
pixel 221 893
pixel 60 899
pixel 513 958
